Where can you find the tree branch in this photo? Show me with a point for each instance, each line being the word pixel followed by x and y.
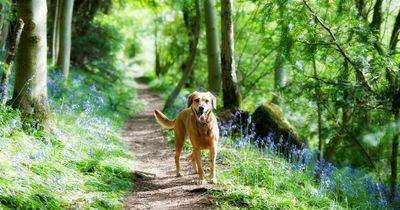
pixel 358 72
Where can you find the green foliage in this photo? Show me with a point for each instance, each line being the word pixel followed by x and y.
pixel 132 49
pixel 82 164
pixel 105 31
pixel 6 11
pixel 102 41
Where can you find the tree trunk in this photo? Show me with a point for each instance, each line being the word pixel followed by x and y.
pixel 56 31
pixel 395 143
pixel 213 54
pixel 3 39
pixel 284 46
pixel 395 34
pixel 230 89
pixel 157 62
pixel 279 78
pixel 360 4
pixel 30 89
pixel 393 166
pixel 65 36
pixel 193 34
pixel 319 109
pixel 337 139
pixel 188 24
pixel 377 17
pixel 16 29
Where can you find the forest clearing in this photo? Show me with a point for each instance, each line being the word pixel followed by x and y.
pixel 306 95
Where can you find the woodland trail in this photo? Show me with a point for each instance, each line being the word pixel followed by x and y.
pixel 155 183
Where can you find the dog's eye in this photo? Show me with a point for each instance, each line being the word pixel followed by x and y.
pixel 207 101
pixel 197 100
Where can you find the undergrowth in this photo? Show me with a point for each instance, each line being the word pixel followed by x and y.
pixel 83 163
pixel 255 175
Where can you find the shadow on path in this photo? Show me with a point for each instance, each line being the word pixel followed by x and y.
pixel 156 186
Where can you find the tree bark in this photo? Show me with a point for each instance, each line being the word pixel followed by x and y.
pixel 319 110
pixel 394 85
pixel 395 34
pixel 230 89
pixel 188 24
pixel 360 4
pixel 279 78
pixel 393 162
pixel 213 54
pixel 30 89
pixel 16 29
pixel 193 34
pixel 279 66
pixel 65 36
pixel 377 17
pixel 157 63
pixel 56 31
pixel 3 39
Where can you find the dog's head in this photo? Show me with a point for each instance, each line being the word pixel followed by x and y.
pixel 202 103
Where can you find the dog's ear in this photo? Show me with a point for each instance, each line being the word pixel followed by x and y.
pixel 213 100
pixel 190 99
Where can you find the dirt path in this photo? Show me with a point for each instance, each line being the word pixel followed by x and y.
pixel 154 157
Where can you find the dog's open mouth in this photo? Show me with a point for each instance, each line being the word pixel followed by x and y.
pixel 201 115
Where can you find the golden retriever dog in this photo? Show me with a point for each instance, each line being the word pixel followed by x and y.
pixel 197 122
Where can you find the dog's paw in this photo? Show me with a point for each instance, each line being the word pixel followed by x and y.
pixel 202 181
pixel 213 180
pixel 178 174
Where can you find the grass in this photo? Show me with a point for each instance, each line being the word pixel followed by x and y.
pixel 83 164
pixel 256 178
pixel 256 181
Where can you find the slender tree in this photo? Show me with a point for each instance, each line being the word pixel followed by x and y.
pixel 284 46
pixel 193 35
pixel 213 54
pixel 4 28
pixel 319 108
pixel 16 27
pixel 377 16
pixel 65 36
pixel 230 89
pixel 393 159
pixel 395 34
pixel 30 89
pixel 393 78
pixel 360 4
pixel 56 31
pixel 394 85
pixel 157 62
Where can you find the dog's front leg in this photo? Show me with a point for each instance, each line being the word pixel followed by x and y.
pixel 197 157
pixel 213 157
pixel 192 157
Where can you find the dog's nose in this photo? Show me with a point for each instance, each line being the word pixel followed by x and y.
pixel 201 109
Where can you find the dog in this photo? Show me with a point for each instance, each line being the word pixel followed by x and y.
pixel 199 123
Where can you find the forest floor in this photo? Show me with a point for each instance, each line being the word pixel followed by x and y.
pixel 155 183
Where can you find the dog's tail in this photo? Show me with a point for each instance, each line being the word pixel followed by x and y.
pixel 163 120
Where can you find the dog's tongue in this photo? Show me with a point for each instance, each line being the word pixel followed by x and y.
pixel 202 117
